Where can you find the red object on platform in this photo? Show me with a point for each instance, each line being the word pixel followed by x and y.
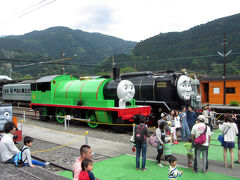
pixel 133 149
pixel 19 134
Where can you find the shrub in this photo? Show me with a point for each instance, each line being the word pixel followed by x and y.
pixel 234 103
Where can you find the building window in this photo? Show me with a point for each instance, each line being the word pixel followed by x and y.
pixel 216 90
pixel 230 90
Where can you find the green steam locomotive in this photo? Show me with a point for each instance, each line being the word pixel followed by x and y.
pixel 96 100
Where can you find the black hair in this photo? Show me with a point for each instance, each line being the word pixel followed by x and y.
pixel 172 159
pixel 84 149
pixel 227 118
pixel 8 126
pixel 138 118
pixel 162 124
pixel 27 139
pixel 85 163
pixel 183 107
pixel 190 139
pixel 142 119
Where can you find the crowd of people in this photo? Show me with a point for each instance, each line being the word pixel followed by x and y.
pixel 195 131
pixel 192 129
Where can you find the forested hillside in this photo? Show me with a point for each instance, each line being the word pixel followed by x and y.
pixel 194 49
pixel 53 43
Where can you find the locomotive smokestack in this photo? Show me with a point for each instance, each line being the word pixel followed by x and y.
pixel 116 73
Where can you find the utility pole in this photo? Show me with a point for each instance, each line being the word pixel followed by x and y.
pixel 224 55
pixel 62 68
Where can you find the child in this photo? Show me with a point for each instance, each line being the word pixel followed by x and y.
pixel 160 133
pixel 87 167
pixel 189 151
pixel 173 173
pixel 26 154
pixel 167 147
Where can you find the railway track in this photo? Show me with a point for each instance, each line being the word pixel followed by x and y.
pixel 52 165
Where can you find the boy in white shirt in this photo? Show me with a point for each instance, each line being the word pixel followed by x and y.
pixel 26 154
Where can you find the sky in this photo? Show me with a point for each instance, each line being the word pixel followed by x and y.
pixel 133 20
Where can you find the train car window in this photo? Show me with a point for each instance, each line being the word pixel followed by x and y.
pixel 14 90
pixel 11 90
pixel 230 90
pixel 28 90
pixel 22 90
pixel 17 91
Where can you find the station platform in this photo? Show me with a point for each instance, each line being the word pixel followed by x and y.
pixel 10 172
pixel 227 108
pixel 115 149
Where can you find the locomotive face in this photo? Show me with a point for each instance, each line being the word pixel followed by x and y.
pixel 126 90
pixel 184 88
pixel 5 116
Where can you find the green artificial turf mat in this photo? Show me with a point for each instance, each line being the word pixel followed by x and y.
pixel 66 174
pixel 124 168
pixel 215 151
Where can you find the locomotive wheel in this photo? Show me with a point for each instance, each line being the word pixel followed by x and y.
pixel 60 112
pixel 92 117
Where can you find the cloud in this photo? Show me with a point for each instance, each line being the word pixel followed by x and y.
pixel 96 18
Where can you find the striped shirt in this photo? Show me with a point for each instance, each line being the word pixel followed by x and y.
pixel 167 149
pixel 173 173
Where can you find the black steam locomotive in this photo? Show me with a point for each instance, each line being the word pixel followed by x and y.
pixel 162 91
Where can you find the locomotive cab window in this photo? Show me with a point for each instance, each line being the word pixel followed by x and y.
pixel 44 86
pixel 33 86
pixel 230 90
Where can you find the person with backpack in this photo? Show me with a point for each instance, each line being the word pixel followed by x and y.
pixel 26 154
pixel 8 149
pixel 201 135
pixel 140 136
pixel 87 167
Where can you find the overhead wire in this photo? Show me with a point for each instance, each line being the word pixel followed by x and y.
pixel 29 10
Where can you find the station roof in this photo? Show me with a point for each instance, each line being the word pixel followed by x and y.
pixel 4 77
pixel 220 78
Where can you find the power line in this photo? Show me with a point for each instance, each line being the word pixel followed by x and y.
pixel 168 59
pixel 29 10
pixel 48 62
pixel 34 9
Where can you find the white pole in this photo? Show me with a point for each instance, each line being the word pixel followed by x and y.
pixel 65 123
pixel 23 116
pixel 86 137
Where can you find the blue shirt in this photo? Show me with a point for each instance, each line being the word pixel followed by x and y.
pixel 191 117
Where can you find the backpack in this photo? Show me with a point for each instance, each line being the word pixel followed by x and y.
pixel 83 175
pixel 139 134
pixel 18 158
pixel 202 138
